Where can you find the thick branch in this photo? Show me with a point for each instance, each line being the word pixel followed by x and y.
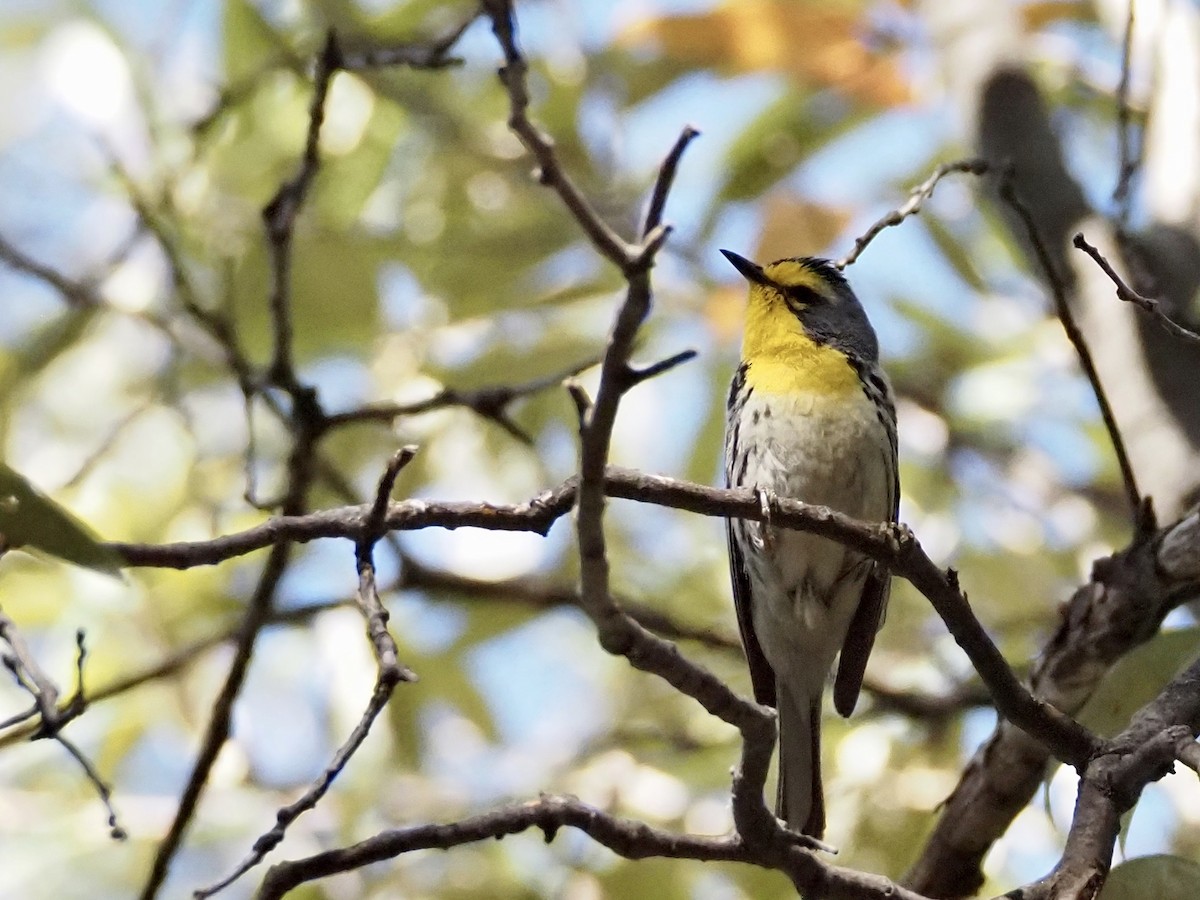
pixel 1121 607
pixel 896 548
pixel 1144 752
pixel 626 837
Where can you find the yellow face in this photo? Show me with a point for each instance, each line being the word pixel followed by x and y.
pixel 792 273
pixel 783 358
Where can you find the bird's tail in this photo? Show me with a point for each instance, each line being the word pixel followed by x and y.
pixel 801 802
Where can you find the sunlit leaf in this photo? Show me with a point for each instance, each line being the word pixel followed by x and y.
pixel 794 226
pixel 30 519
pixel 334 293
pixel 250 43
pixel 774 143
pixel 1037 16
pixel 813 43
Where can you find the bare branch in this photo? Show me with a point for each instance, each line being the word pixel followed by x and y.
pixel 217 731
pixel 666 178
pixel 1144 752
pixel 637 376
pixel 896 548
pixel 1138 513
pixel 26 671
pixel 390 673
pixel 279 216
pixel 489 403
pixel 169 665
pixel 626 837
pixel 1129 295
pixel 1121 607
pixel 1189 755
pixel 391 670
pixel 513 75
pixel 537 594
pixel 305 419
pixel 415 55
pixel 1128 165
pixel 916 199
pixel 936 709
pixel 77 294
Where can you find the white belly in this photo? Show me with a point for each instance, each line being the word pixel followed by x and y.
pixel 805 588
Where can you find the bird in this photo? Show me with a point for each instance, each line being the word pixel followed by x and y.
pixel 810 416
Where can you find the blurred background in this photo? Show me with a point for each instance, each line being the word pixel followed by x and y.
pixel 139 142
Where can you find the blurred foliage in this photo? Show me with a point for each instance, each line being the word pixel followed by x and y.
pixel 427 257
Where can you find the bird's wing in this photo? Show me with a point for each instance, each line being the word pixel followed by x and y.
pixel 860 637
pixel 762 676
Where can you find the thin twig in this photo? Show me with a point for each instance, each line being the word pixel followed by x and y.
pixel 666 178
pixel 1120 607
pixel 637 376
pixel 304 419
pixel 1112 783
pixel 280 216
pixel 916 198
pixel 490 403
pixel 169 665
pixel 513 75
pixel 391 670
pixel 1129 295
pixel 1127 167
pixel 390 673
pixel 415 55
pixel 538 594
pixel 936 709
pixel 220 721
pixel 78 294
pixel 617 632
pixel 29 675
pixel 1062 306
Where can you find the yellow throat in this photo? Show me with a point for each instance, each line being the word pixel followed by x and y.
pixel 782 358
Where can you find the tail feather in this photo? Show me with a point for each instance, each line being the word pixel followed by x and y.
pixel 801 800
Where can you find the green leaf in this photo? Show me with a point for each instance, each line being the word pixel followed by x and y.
pixel 334 296
pixel 28 518
pixel 1136 680
pixel 43 347
pixel 1161 877
pixel 777 141
pixel 251 43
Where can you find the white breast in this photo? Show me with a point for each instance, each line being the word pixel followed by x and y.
pixel 830 451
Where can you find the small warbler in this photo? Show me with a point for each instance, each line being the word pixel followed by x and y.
pixel 810 417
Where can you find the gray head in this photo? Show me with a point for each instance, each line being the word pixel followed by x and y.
pixel 819 296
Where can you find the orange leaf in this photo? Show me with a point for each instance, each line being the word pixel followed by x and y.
pixel 724 309
pixel 1038 15
pixel 813 44
pixel 795 227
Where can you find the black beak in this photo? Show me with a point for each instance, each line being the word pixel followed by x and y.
pixel 752 272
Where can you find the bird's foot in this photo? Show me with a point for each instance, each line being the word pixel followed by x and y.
pixel 806 840
pixel 766 498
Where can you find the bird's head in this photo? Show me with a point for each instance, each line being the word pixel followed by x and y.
pixel 807 297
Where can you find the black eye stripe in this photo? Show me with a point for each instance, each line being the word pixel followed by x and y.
pixel 802 294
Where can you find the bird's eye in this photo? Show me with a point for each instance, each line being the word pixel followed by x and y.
pixel 802 295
